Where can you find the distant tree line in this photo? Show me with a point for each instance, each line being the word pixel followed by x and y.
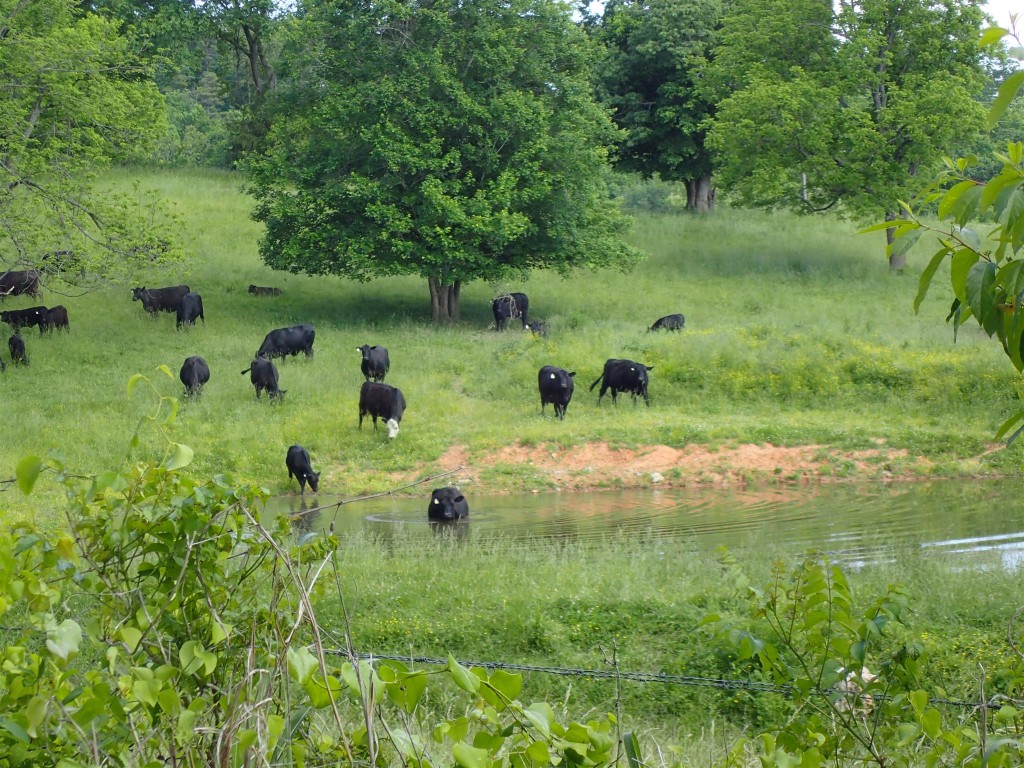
pixel 474 139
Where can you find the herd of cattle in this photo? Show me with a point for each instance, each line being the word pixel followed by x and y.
pixel 376 399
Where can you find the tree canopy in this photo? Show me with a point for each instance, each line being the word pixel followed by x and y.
pixel 73 97
pixel 847 113
pixel 452 140
pixel 652 77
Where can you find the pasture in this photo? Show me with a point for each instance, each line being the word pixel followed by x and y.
pixel 796 334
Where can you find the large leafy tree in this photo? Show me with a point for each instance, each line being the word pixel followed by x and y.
pixel 656 52
pixel 455 140
pixel 73 97
pixel 840 106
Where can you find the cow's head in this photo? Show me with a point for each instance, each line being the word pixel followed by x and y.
pixel 392 426
pixel 313 478
pixel 138 293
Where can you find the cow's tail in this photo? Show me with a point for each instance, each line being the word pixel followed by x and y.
pixel 596 382
pixel 246 370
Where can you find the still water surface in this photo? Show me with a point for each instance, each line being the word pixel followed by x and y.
pixel 976 522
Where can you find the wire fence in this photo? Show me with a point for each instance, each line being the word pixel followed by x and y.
pixel 727 684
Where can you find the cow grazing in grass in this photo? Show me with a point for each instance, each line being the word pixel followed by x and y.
pixel 16 345
pixel 288 341
pixel 556 386
pixel 190 309
pixel 299 467
pixel 447 504
pixel 669 323
pixel 18 282
pixel 160 299
pixel 194 374
pixel 56 319
pixel 376 363
pixel 381 401
pixel 510 305
pixel 263 375
pixel 624 376
pixel 259 290
pixel 25 318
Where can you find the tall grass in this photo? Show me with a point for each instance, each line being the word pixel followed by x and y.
pixel 796 334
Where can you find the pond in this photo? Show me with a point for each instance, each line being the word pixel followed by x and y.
pixel 973 522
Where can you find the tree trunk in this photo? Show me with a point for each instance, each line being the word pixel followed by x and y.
pixel 897 260
pixel 704 194
pixel 444 300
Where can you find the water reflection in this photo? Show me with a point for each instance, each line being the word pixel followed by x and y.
pixel 856 524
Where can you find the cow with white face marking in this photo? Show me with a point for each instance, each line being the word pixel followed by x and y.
pixel 384 402
pixel 623 376
pixel 556 386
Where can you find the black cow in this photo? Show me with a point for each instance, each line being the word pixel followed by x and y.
pixel 160 299
pixel 3 365
pixel 17 282
pixel 263 375
pixel 17 347
pixel 510 305
pixel 669 323
pixel 24 318
pixel 447 504
pixel 190 308
pixel 376 362
pixel 384 401
pixel 288 341
pixel 194 374
pixel 556 386
pixel 298 465
pixel 56 317
pixel 623 376
pixel 259 290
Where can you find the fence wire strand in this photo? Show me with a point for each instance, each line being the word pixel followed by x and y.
pixel 726 684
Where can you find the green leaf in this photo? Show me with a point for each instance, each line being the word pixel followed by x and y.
pixel 952 197
pixel 63 640
pixel 219 632
pixel 963 260
pixel 1007 91
pixel 925 281
pixel 27 472
pixel 463 678
pixel 980 295
pixel 469 757
pixel 166 371
pixel 131 637
pixel 632 749
pixel 133 380
pixel 182 457
pixel 15 730
pixel 992 35
pixel 506 683
pixel 407 689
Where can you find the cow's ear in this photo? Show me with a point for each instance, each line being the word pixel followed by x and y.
pixel 572 373
pixel 459 498
pixel 649 367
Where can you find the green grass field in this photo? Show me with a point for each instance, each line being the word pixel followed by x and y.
pixel 796 334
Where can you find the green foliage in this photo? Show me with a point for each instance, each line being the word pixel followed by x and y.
pixel 856 693
pixel 175 623
pixel 74 95
pixel 419 140
pixel 985 269
pixel 651 76
pixel 849 111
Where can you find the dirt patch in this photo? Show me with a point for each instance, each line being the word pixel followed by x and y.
pixel 599 465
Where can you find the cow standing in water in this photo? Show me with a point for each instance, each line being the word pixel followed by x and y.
pixel 447 504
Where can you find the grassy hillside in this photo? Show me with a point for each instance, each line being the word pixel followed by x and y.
pixel 796 334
